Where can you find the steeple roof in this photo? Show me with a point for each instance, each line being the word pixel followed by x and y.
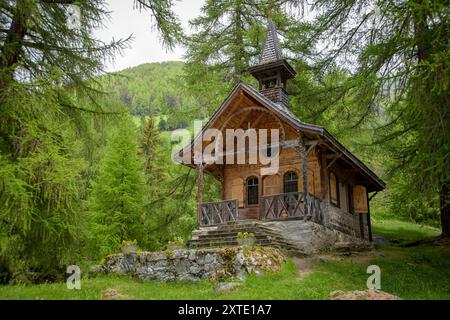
pixel 271 57
pixel 271 51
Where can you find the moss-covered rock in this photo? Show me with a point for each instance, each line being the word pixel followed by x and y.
pixel 194 265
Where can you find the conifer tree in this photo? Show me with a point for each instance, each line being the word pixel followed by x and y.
pixel 119 193
pixel 400 50
pixel 40 188
pixel 47 72
pixel 149 141
pixel 229 34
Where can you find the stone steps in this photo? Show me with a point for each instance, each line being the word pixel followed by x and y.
pixel 260 240
pixel 226 235
pixel 256 229
pixel 256 232
pixel 224 243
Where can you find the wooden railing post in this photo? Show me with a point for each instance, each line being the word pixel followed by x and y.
pixel 301 149
pixel 199 192
pixel 216 213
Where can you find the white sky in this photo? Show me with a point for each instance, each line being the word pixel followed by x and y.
pixel 146 46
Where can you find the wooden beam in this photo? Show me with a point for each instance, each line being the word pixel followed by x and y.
pixel 288 144
pixel 222 183
pixel 334 159
pixel 242 121
pixel 199 191
pixel 369 223
pixel 312 145
pixel 229 111
pixel 370 198
pixel 312 142
pixel 326 187
pixel 258 119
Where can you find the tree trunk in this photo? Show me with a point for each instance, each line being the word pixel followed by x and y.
pixel 444 197
pixel 239 43
pixel 424 49
pixel 12 46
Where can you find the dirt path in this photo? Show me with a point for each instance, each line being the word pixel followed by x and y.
pixel 307 265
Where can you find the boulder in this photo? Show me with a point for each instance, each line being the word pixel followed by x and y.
pixel 368 294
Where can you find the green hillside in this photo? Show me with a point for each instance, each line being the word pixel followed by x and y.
pixel 153 89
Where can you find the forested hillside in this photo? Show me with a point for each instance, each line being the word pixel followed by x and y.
pixel 156 89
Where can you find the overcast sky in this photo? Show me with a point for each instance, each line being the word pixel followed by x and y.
pixel 146 46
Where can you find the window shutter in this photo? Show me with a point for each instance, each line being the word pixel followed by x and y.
pixel 360 199
pixel 334 189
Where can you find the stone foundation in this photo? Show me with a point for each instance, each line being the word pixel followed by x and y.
pixel 348 222
pixel 310 237
pixel 194 265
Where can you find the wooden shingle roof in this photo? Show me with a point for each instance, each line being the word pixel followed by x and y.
pixel 271 51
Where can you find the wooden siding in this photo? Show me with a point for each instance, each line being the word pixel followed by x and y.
pixel 235 176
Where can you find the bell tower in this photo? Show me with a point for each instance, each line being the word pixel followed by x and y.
pixel 273 71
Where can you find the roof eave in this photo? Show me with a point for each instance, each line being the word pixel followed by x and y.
pixel 273 65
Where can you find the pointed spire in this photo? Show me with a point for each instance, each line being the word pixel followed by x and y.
pixel 273 71
pixel 271 51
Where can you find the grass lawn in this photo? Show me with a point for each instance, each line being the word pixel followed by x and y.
pixel 402 231
pixel 421 272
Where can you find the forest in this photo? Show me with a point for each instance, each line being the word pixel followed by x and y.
pixel 85 155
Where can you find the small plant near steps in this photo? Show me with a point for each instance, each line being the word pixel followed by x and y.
pixel 246 238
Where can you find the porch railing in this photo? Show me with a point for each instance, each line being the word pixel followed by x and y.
pixel 291 205
pixel 214 213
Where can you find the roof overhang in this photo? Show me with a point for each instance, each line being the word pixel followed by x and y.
pixel 281 64
pixel 287 114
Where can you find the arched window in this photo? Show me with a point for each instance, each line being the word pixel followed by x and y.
pixel 334 189
pixel 290 182
pixel 252 191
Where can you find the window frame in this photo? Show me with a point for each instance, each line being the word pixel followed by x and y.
pixel 247 186
pixel 291 181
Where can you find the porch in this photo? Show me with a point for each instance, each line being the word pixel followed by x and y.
pixel 282 206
